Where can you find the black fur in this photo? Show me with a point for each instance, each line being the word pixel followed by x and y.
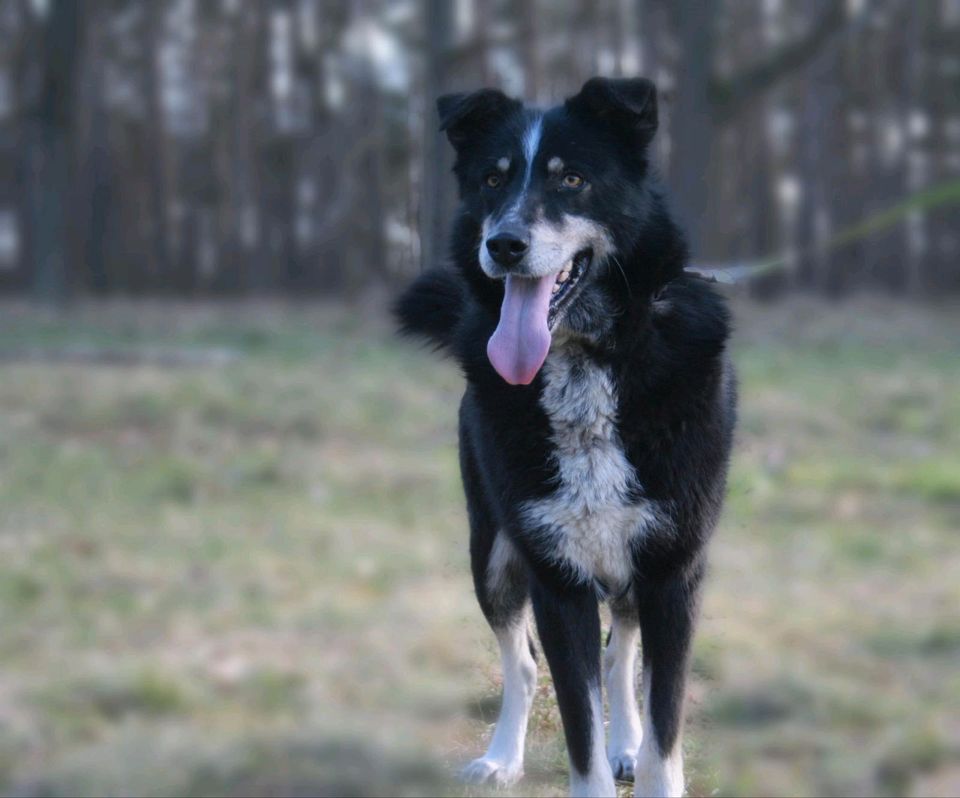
pixel 569 627
pixel 431 307
pixel 659 331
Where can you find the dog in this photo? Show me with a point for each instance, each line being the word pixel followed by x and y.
pixel 597 422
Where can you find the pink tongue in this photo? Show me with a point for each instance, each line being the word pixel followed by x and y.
pixel 521 341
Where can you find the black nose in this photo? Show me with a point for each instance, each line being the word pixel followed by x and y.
pixel 507 248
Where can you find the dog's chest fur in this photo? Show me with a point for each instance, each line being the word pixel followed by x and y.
pixel 593 514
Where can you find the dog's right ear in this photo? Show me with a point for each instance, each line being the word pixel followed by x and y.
pixel 463 117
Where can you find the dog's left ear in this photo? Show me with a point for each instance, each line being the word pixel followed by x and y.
pixel 629 103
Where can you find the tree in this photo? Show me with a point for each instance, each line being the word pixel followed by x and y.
pixel 705 103
pixel 436 194
pixel 52 126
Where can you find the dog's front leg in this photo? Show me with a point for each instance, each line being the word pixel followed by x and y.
pixel 568 621
pixel 502 765
pixel 668 610
pixel 620 661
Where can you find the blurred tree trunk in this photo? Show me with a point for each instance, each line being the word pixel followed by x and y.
pixel 529 57
pixel 370 169
pixel 914 98
pixel 436 191
pixel 275 167
pixel 618 27
pixel 248 123
pixel 655 31
pixel 692 120
pixel 92 158
pixel 26 64
pixel 51 125
pixel 371 182
pixel 811 265
pixel 482 23
pixel 586 41
pixel 942 144
pixel 156 143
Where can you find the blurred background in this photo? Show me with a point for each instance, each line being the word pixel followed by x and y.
pixel 232 538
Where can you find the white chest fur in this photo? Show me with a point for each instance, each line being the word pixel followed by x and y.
pixel 590 518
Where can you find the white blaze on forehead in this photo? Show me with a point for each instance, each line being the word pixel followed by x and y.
pixel 554 164
pixel 531 143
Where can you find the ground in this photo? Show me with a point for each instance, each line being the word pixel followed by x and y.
pixel 232 559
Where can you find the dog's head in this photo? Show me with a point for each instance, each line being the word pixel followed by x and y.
pixel 555 196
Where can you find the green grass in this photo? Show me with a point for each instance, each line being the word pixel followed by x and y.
pixel 247 574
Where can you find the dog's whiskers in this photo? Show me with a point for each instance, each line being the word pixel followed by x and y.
pixel 623 274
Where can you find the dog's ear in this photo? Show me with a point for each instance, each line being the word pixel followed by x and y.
pixel 466 116
pixel 630 103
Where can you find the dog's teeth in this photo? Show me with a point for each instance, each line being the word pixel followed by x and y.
pixel 555 288
pixel 563 277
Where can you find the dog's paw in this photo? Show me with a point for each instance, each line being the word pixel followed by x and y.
pixel 491 771
pixel 623 766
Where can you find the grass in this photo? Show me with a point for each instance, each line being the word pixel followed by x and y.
pixel 247 574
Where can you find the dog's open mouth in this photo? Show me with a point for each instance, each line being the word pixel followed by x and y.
pixel 565 287
pixel 531 310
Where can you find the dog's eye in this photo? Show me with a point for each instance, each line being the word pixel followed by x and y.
pixel 572 180
pixel 493 180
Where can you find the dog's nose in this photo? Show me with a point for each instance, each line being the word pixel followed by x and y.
pixel 507 247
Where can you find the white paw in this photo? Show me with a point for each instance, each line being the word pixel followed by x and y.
pixel 662 780
pixel 623 765
pixel 491 771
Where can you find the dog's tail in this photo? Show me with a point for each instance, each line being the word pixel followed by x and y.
pixel 431 307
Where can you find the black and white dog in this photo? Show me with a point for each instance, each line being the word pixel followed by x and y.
pixel 597 421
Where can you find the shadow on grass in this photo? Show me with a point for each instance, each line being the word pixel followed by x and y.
pixel 334 768
pixel 276 767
